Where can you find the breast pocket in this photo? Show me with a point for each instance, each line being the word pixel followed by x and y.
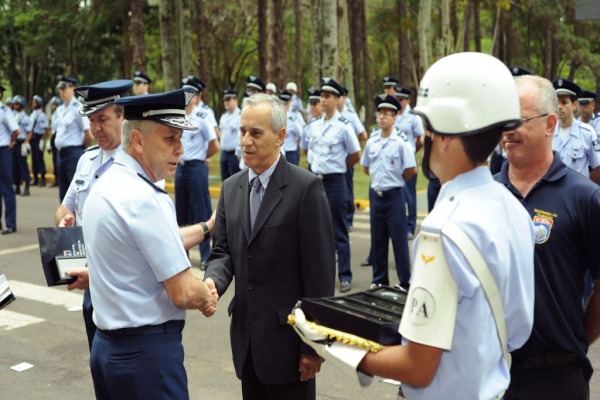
pixel 392 157
pixel 82 185
pixel 578 160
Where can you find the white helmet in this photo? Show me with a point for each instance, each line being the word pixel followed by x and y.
pixel 291 86
pixel 468 93
pixel 271 86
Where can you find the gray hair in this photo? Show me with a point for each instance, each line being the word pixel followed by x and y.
pixel 143 125
pixel 278 113
pixel 547 100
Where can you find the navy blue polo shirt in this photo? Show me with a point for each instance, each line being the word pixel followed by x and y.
pixel 565 208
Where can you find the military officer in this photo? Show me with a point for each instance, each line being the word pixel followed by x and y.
pixel 230 134
pixel 142 83
pixel 9 130
pixel 575 141
pixel 39 127
pixel 203 110
pixel 587 107
pixel 315 112
pixel 333 148
pixel 137 351
pixel 294 127
pixel 412 126
pixel 72 134
pixel 296 101
pixel 255 85
pixel 55 101
pixel 271 89
pixel 389 85
pixel 22 147
pixel 192 198
pixel 389 161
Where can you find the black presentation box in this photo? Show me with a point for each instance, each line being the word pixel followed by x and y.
pixel 373 314
pixel 61 249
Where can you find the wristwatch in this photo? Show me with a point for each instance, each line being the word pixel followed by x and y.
pixel 205 229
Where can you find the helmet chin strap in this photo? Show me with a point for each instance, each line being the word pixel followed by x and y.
pixel 425 161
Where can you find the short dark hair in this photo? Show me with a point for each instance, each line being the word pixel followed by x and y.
pixel 479 147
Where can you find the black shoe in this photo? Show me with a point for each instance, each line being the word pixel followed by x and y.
pixel 8 231
pixel 36 181
pixel 17 189
pixel 42 182
pixel 202 266
pixel 26 190
pixel 366 263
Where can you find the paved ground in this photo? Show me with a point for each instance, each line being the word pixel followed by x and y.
pixel 44 327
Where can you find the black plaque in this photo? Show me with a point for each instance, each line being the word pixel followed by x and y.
pixel 373 314
pixel 64 246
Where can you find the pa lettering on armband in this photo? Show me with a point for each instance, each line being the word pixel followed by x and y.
pixel 430 312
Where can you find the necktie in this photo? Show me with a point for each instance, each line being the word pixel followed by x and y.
pixel 254 199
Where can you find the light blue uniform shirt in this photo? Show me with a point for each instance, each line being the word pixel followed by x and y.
pixel 8 125
pixel 294 127
pixel 230 130
pixel 411 125
pixel 594 122
pixel 501 228
pixel 329 144
pixel 352 116
pixel 387 158
pixel 54 122
pixel 89 169
pixel 23 121
pixel 207 112
pixel 71 127
pixel 195 143
pixel 580 150
pixel 39 122
pixel 296 105
pixel 133 245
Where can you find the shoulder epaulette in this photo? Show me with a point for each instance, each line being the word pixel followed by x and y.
pixel 344 120
pixel 587 127
pixel 201 115
pixel 3 107
pixel 152 184
pixel 594 116
pixel 96 147
pixel 401 134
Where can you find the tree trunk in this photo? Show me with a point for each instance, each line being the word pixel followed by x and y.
pixel 445 40
pixel 201 35
pixel 316 10
pixel 424 29
pixel 126 42
pixel 276 46
pixel 495 45
pixel 355 49
pixel 169 56
pixel 456 34
pixel 477 25
pixel 298 46
pixel 466 33
pixel 329 57
pixel 344 67
pixel 185 34
pixel 262 39
pixel 369 106
pixel 136 30
pixel 548 53
pixel 404 48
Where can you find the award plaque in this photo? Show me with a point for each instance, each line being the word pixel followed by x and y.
pixel 6 296
pixel 61 250
pixel 373 314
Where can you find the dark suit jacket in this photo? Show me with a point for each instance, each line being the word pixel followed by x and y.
pixel 289 254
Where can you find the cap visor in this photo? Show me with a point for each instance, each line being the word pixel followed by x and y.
pixel 176 122
pixel 92 109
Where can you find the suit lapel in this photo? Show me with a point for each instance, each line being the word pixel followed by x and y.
pixel 244 196
pixel 271 198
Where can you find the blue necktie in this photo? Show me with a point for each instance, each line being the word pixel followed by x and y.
pixel 255 199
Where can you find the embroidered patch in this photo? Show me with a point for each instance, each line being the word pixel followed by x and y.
pixel 543 222
pixel 422 306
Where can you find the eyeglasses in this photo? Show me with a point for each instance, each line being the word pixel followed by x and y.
pixel 526 120
pixel 138 83
pixel 386 114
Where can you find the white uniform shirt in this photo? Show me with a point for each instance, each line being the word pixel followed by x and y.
pixel 411 125
pixel 24 122
pixel 230 130
pixel 89 169
pixel 352 117
pixel 133 245
pixel 294 127
pixel 8 125
pixel 580 150
pixel 329 144
pixel 195 143
pixel 208 113
pixel 387 159
pixel 38 122
pixel 473 367
pixel 71 127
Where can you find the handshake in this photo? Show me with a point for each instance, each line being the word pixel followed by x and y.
pixel 210 308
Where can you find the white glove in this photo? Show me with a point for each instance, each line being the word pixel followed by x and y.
pixel 23 150
pixel 42 143
pixel 345 356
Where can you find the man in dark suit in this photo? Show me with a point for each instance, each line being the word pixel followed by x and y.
pixel 278 254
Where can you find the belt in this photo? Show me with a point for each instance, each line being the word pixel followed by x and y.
pixel 383 193
pixel 190 162
pixel 325 177
pixel 20 141
pixel 229 151
pixel 175 326
pixel 555 359
pixel 70 147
